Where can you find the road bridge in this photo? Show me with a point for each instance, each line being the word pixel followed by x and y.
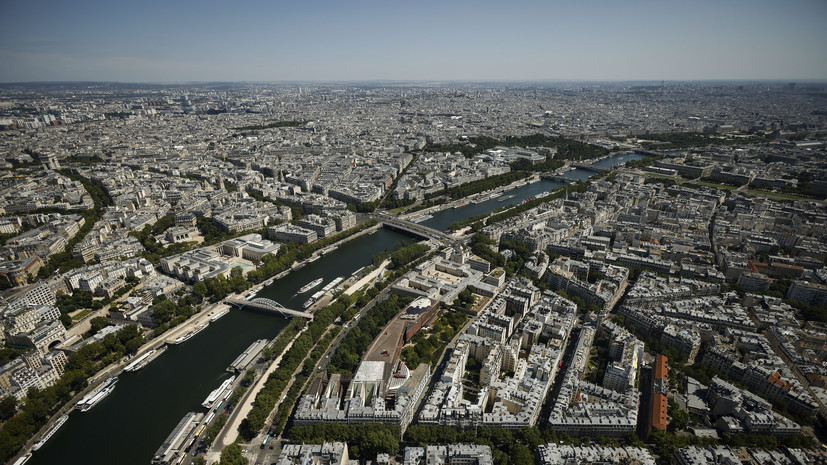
pixel 417 229
pixel 591 167
pixel 557 178
pixel 268 306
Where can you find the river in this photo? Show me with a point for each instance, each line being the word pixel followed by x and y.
pixel 128 426
pixel 442 219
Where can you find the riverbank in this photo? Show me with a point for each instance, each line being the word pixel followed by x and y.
pixel 116 369
pixel 313 257
pixel 229 433
pixel 446 206
pixel 367 278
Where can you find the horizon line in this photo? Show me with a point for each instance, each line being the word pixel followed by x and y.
pixel 434 81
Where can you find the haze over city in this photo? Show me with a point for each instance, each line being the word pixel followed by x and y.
pixel 157 41
pixel 413 233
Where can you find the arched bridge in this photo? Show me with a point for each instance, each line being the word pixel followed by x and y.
pixel 269 306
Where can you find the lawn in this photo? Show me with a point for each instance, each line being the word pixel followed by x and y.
pixel 80 315
pixel 779 195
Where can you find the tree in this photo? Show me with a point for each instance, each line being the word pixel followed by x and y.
pixel 133 345
pixel 680 419
pixel 8 407
pixel 163 311
pixel 521 455
pixel 237 283
pixel 530 436
pixel 231 455
pixel 217 287
pixel 98 323
pixel 199 289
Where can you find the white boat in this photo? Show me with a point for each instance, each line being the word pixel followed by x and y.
pixel 219 315
pixel 152 355
pixel 60 421
pixel 215 394
pixel 190 334
pixel 310 285
pixel 313 299
pixel 282 274
pixel 23 459
pixel 100 393
pixel 421 218
pixel 92 398
pixel 135 363
pixel 333 284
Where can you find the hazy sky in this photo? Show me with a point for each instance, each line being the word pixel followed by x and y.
pixel 205 40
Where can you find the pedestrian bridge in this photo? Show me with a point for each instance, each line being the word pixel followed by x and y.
pixel 268 306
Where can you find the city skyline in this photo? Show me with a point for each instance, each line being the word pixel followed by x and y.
pixel 530 41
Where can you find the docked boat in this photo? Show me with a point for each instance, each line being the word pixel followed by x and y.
pixel 215 394
pixel 146 359
pixel 135 363
pixel 23 459
pixel 421 218
pixel 314 259
pixel 219 315
pixel 60 421
pixel 310 285
pixel 190 334
pixel 495 195
pixel 327 251
pixel 94 401
pixel 307 303
pixel 333 284
pixel 461 204
pixel 98 394
pixel 282 274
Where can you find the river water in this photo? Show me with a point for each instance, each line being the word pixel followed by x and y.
pixel 130 424
pixel 441 220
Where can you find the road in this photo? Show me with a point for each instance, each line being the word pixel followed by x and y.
pixel 230 432
pixel 718 261
pixel 254 452
pixel 644 417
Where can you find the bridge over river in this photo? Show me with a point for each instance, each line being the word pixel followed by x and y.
pixel 414 228
pixel 268 306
